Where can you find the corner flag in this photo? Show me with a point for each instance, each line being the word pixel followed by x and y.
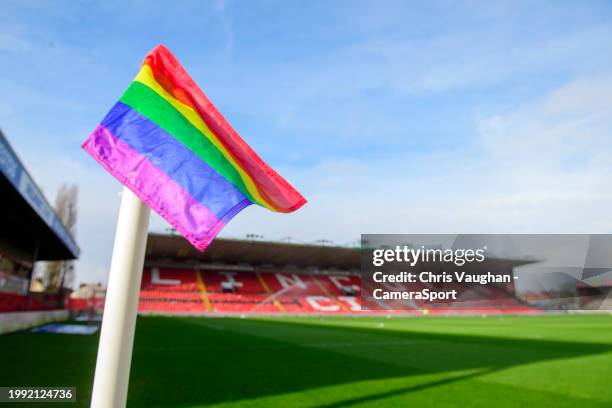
pixel 171 149
pixel 167 142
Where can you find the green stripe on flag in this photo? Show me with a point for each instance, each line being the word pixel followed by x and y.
pixel 155 108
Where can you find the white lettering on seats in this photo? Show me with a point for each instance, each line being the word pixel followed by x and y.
pixel 288 282
pixel 322 303
pixel 156 280
pixel 229 279
pixel 352 302
pixel 338 282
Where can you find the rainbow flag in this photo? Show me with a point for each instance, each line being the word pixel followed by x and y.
pixel 168 143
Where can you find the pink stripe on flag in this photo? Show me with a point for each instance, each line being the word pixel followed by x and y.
pixel 155 188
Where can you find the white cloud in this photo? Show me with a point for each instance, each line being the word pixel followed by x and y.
pixel 542 168
pixel 572 122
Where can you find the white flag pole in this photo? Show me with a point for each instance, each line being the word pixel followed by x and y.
pixel 117 335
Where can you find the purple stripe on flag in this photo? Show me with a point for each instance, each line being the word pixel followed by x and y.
pixel 172 157
pixel 160 192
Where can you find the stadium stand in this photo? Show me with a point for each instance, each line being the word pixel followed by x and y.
pixel 244 276
pixel 262 277
pixel 171 290
pixel 19 302
pixel 11 302
pixel 31 232
pixel 182 290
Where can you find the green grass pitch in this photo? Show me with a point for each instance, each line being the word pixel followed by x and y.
pixel 536 361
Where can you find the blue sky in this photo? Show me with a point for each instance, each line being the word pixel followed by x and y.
pixel 405 117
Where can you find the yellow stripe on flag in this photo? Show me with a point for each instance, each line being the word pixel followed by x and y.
pixel 146 77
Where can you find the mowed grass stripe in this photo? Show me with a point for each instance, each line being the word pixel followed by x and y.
pixel 305 362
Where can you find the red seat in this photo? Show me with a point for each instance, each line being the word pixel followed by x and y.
pixel 270 292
